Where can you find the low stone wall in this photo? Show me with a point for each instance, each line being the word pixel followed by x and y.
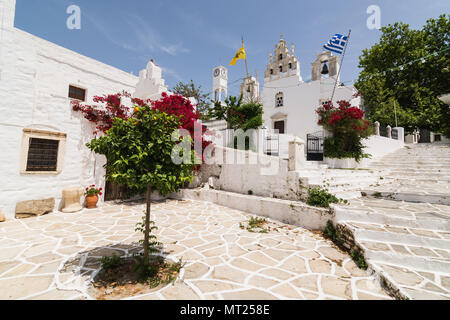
pixel 376 146
pixel 247 172
pixel 290 212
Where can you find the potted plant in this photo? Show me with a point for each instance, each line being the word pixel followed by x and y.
pixel 91 195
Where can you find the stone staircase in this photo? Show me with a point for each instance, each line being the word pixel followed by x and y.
pixel 345 184
pixel 403 226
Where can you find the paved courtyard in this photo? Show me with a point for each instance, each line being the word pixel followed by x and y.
pixel 55 256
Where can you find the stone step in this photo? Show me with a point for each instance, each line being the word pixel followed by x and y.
pixel 419 167
pixel 347 194
pixel 412 284
pixel 396 218
pixel 338 173
pixel 346 180
pixel 412 196
pixel 415 257
pixel 412 173
pixel 418 258
pixel 413 237
pixel 423 179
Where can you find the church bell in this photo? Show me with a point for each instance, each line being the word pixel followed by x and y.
pixel 325 69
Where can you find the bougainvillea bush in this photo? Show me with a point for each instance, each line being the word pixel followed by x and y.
pixel 110 107
pixel 348 128
pixel 189 117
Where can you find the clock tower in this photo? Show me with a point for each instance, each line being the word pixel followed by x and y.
pixel 220 83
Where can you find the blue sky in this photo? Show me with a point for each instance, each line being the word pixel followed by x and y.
pixel 188 38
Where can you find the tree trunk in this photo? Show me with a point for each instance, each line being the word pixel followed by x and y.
pixel 147 224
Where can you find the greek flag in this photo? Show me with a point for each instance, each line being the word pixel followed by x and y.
pixel 336 44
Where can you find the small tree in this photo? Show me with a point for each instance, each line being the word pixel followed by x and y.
pixel 139 153
pixel 191 90
pixel 238 115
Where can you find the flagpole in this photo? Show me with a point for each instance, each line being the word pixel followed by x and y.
pixel 246 67
pixel 395 112
pixel 342 61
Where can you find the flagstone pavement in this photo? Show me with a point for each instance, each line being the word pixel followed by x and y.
pixel 56 256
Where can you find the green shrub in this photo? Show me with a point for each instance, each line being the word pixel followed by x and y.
pixel 344 147
pixel 319 197
pixel 111 262
pixel 358 258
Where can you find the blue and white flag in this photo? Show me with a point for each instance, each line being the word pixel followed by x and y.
pixel 337 43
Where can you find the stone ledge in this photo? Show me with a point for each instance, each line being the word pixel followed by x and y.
pixel 290 212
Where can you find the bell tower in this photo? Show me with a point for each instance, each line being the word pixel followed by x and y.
pixel 325 66
pixel 220 83
pixel 283 63
pixel 7 13
pixel 250 90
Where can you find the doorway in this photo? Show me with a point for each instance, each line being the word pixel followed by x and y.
pixel 279 125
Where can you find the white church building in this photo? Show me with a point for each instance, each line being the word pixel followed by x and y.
pixel 289 102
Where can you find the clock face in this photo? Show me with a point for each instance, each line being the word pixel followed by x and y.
pixel 216 72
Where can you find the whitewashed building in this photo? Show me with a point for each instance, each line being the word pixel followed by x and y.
pixel 42 139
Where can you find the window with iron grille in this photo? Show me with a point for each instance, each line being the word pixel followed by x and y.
pixel 42 155
pixel 77 93
pixel 279 99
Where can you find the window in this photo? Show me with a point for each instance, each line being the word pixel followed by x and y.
pixel 42 155
pixel 216 95
pixel 290 65
pixel 281 68
pixel 42 152
pixel 271 71
pixel 279 100
pixel 280 57
pixel 77 93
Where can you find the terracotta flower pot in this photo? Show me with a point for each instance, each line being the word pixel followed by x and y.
pixel 91 201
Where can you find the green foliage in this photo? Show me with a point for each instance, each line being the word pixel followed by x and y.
pixel 319 197
pixel 342 147
pixel 331 233
pixel 189 90
pixel 152 239
pixel 415 89
pixel 359 259
pixel 347 127
pixel 255 224
pixel 139 152
pixel 238 116
pixel 111 262
pixel 157 271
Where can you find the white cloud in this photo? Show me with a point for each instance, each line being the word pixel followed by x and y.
pixel 171 73
pixel 148 38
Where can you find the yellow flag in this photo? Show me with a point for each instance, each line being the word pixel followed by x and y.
pixel 239 56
